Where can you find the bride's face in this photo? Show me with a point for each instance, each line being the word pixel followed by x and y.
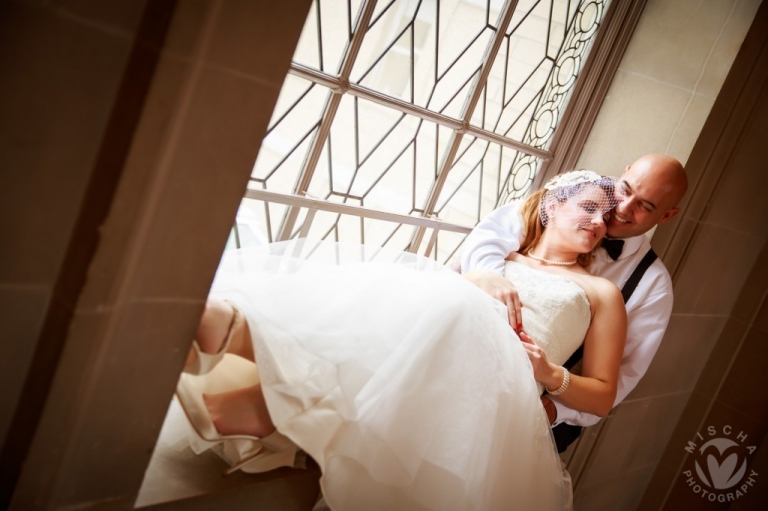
pixel 581 219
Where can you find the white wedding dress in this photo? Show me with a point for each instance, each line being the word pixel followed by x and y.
pixel 403 380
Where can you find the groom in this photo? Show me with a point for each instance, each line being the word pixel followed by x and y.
pixel 649 191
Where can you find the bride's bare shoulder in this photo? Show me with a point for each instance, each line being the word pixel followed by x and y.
pixel 601 290
pixel 609 295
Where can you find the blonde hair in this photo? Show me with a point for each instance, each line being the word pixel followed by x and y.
pixel 534 227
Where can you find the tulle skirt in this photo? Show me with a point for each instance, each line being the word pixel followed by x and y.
pixel 399 377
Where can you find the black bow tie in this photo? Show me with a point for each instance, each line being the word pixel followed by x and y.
pixel 613 247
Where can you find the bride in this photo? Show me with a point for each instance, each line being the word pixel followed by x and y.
pixel 403 379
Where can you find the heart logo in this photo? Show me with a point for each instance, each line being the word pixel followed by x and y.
pixel 722 468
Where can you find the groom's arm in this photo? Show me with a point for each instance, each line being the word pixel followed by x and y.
pixel 493 239
pixel 483 257
pixel 645 329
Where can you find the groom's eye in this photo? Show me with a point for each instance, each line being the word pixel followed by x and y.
pixel 624 191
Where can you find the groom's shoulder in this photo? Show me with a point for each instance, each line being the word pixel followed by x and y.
pixel 658 273
pixel 657 266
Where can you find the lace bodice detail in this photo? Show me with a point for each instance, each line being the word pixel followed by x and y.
pixel 556 311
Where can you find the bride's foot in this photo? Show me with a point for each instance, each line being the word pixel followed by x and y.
pixel 240 412
pixel 220 323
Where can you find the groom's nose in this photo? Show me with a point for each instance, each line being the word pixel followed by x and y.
pixel 629 204
pixel 624 202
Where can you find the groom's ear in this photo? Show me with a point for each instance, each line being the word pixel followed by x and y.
pixel 669 215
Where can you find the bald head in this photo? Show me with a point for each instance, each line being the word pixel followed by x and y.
pixel 667 175
pixel 651 188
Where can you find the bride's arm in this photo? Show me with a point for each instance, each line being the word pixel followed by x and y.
pixel 595 391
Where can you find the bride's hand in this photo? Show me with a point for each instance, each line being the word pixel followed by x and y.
pixel 502 289
pixel 543 371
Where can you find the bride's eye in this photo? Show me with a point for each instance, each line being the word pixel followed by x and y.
pixel 589 207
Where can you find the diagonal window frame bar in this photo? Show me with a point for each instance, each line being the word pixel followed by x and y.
pixel 505 18
pixel 329 113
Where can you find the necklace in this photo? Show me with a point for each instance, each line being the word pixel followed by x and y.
pixel 556 263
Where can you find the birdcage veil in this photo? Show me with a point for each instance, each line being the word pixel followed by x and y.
pixel 591 191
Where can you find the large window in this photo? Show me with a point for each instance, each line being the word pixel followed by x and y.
pixel 434 108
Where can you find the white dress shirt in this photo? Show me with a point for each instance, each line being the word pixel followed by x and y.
pixel 648 310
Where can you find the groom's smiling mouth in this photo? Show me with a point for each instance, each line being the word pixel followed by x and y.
pixel 619 219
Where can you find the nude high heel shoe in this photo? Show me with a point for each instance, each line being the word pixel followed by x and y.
pixel 248 453
pixel 205 362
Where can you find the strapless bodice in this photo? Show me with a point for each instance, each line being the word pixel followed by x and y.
pixel 556 311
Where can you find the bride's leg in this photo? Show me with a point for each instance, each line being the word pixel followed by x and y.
pixel 214 327
pixel 240 412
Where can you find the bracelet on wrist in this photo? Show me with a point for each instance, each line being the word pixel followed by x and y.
pixel 563 386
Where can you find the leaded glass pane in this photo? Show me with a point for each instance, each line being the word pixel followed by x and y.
pixel 535 70
pixel 475 179
pixel 436 108
pixel 294 122
pixel 426 52
pixel 383 158
pixel 326 34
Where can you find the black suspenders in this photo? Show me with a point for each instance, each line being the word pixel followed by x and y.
pixel 626 293
pixel 565 434
pixel 634 279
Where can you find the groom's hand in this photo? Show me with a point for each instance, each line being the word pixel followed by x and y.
pixel 502 289
pixel 550 408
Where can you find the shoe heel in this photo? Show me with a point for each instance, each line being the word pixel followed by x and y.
pixel 275 451
pixel 234 468
pixel 205 362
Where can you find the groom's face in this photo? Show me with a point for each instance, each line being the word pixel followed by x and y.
pixel 646 199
